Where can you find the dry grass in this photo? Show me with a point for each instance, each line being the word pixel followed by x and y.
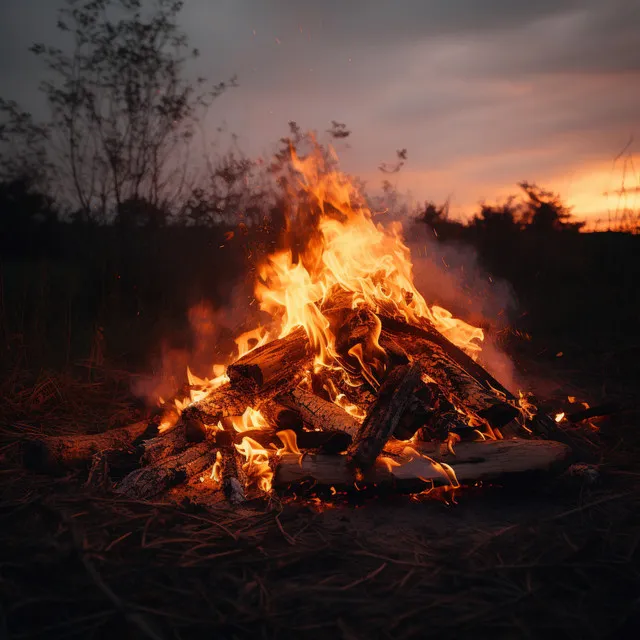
pixel 547 561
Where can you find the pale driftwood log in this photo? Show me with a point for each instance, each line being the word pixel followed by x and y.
pixel 147 482
pixel 319 413
pixel 59 453
pixel 488 460
pixel 278 363
pixel 385 414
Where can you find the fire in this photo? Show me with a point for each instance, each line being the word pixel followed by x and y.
pixel 527 408
pixel 216 471
pixel 333 249
pixel 290 441
pixel 344 250
pixel 256 466
pixel 250 419
pixel 559 417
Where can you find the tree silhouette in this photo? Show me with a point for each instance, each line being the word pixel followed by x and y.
pixel 498 219
pixel 122 113
pixel 544 211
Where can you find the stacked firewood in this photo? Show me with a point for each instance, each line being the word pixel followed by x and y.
pixel 430 392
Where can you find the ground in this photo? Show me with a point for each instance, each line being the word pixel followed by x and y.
pixel 558 559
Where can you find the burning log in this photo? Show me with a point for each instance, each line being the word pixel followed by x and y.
pixel 419 466
pixel 59 453
pixel 269 366
pixel 456 377
pixel 319 413
pixel 232 476
pixel 325 441
pixel 147 482
pixel 221 403
pixel 383 417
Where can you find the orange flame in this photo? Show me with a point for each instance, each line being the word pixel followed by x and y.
pixel 250 419
pixel 256 466
pixel 290 442
pixel 344 249
pixel 216 471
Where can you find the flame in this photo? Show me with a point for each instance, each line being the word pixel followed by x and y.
pixel 343 249
pixel 290 441
pixel 216 471
pixel 559 417
pixel 256 466
pixel 250 419
pixel 258 336
pixel 527 408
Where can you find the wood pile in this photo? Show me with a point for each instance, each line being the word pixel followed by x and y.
pixel 427 414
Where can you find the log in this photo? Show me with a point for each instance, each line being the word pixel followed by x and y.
pixel 458 383
pixel 385 414
pixel 147 482
pixel 163 446
pixel 488 460
pixel 462 378
pixel 56 454
pixel 323 441
pixel 546 427
pixel 279 362
pixel 221 403
pixel 233 478
pixel 598 411
pixel 319 413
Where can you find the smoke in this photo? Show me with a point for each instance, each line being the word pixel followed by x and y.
pixel 207 339
pixel 449 274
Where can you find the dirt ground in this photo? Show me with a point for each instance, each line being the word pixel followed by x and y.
pixel 556 559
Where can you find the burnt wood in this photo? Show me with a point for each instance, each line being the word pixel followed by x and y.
pixel 149 481
pixel 319 413
pixel 385 414
pixel 278 362
pixel 59 453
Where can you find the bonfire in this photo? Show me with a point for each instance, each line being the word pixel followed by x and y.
pixel 356 380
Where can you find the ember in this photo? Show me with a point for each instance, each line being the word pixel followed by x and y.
pixel 356 380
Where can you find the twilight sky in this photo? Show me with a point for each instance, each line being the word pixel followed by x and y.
pixel 482 93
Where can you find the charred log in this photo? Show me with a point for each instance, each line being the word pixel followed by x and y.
pixel 383 417
pixel 223 402
pixel 163 446
pixel 277 363
pixel 232 477
pixel 59 453
pixel 147 482
pixel 459 384
pixel 321 441
pixel 319 413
